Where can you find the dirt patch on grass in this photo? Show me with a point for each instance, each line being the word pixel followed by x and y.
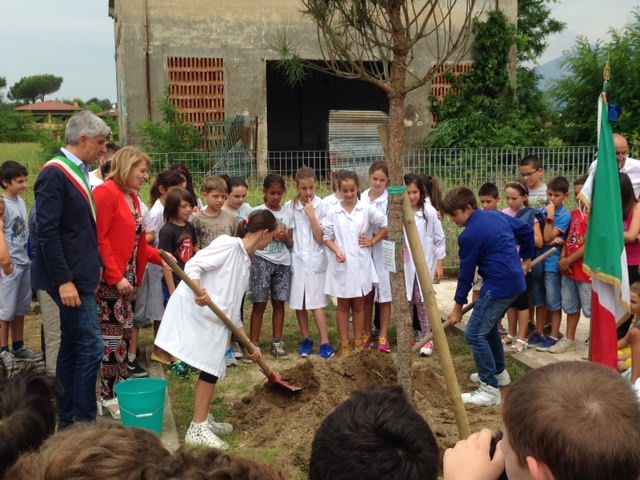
pixel 284 422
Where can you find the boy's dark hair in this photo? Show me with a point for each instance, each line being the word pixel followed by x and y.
pixel 214 464
pixel 27 413
pixel 579 418
pixel 93 450
pixel 257 220
pixel 531 161
pixel 375 434
pixel 10 170
pixel 559 184
pixel 489 190
pixel 172 203
pixel 458 199
pixel 581 180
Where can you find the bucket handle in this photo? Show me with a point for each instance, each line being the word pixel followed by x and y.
pixel 143 415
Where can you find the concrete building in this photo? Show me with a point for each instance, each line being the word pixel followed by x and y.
pixel 217 59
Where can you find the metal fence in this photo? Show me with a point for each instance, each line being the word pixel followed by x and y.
pixel 453 167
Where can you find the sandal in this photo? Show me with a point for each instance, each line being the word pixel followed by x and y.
pixel 109 406
pixel 508 340
pixel 519 346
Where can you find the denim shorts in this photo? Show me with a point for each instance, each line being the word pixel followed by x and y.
pixel 576 295
pixel 269 278
pixel 546 291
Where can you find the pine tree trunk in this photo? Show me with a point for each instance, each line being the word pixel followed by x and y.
pixel 400 313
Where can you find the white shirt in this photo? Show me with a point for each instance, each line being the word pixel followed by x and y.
pixel 277 252
pixel 195 334
pixel 433 244
pixel 94 181
pixel 356 275
pixel 306 250
pixel 631 167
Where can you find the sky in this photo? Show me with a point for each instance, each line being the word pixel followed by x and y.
pixel 74 39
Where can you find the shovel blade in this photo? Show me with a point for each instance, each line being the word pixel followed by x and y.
pixel 277 379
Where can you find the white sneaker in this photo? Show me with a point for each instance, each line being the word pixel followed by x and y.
pixel 201 434
pixel 8 359
pixel 503 378
pixel 485 396
pixel 219 428
pixel 427 349
pixel 563 345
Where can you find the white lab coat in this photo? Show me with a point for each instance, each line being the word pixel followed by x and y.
pixel 308 259
pixel 433 244
pixel 356 276
pixel 195 334
pixel 383 290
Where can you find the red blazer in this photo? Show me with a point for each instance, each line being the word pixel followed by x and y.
pixel 117 234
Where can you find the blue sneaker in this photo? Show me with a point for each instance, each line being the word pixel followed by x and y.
pixel 547 344
pixel 326 351
pixel 179 369
pixel 230 358
pixel 535 339
pixel 306 348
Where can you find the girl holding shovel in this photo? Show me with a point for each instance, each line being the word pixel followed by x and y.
pixel 194 334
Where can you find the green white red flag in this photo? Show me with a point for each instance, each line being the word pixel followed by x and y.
pixel 605 257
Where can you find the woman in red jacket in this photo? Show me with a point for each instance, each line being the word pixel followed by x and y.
pixel 125 254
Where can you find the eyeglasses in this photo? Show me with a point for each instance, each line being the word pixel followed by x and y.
pixel 528 174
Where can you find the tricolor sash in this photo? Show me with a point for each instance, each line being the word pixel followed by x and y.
pixel 76 177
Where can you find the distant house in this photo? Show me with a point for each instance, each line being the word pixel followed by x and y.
pixel 217 61
pixel 49 109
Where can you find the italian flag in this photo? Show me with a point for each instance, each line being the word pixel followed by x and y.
pixel 604 257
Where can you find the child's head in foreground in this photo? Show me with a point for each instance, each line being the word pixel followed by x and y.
pixel 375 434
pixel 571 420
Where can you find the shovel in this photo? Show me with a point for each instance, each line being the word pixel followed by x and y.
pixel 272 376
pixel 470 306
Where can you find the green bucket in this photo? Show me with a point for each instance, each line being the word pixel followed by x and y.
pixel 141 403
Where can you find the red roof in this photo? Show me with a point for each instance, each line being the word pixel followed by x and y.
pixel 113 112
pixel 48 106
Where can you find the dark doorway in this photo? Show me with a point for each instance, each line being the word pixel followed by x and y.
pixel 297 117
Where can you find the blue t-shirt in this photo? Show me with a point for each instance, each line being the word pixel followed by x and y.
pixel 561 222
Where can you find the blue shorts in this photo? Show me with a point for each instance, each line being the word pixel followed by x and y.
pixel 576 295
pixel 546 291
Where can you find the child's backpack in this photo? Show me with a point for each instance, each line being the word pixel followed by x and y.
pixel 529 215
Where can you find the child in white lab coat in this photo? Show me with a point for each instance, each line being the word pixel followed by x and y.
pixel 350 271
pixel 308 263
pixel 434 246
pixel 191 332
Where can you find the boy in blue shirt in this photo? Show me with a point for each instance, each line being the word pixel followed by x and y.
pixel 546 289
pixel 489 242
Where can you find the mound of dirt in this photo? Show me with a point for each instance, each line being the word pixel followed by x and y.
pixel 275 418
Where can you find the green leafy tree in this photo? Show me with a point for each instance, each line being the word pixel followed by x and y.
pixel 488 112
pixel 575 95
pixel 3 85
pixel 35 87
pixel 172 134
pixel 377 42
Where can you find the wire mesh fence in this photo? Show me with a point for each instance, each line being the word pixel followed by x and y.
pixel 453 167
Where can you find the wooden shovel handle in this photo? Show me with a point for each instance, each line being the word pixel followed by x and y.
pixel 244 340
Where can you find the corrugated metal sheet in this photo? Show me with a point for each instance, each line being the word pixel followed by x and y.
pixel 354 141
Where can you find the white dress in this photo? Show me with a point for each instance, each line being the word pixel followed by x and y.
pixel 433 244
pixel 308 259
pixel 383 291
pixel 356 276
pixel 195 334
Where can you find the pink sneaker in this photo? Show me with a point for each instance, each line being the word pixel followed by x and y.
pixel 427 349
pixel 366 342
pixel 383 345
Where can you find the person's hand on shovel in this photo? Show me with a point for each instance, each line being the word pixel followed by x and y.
pixel 255 356
pixel 456 314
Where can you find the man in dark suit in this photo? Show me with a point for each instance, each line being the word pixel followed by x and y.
pixel 67 262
